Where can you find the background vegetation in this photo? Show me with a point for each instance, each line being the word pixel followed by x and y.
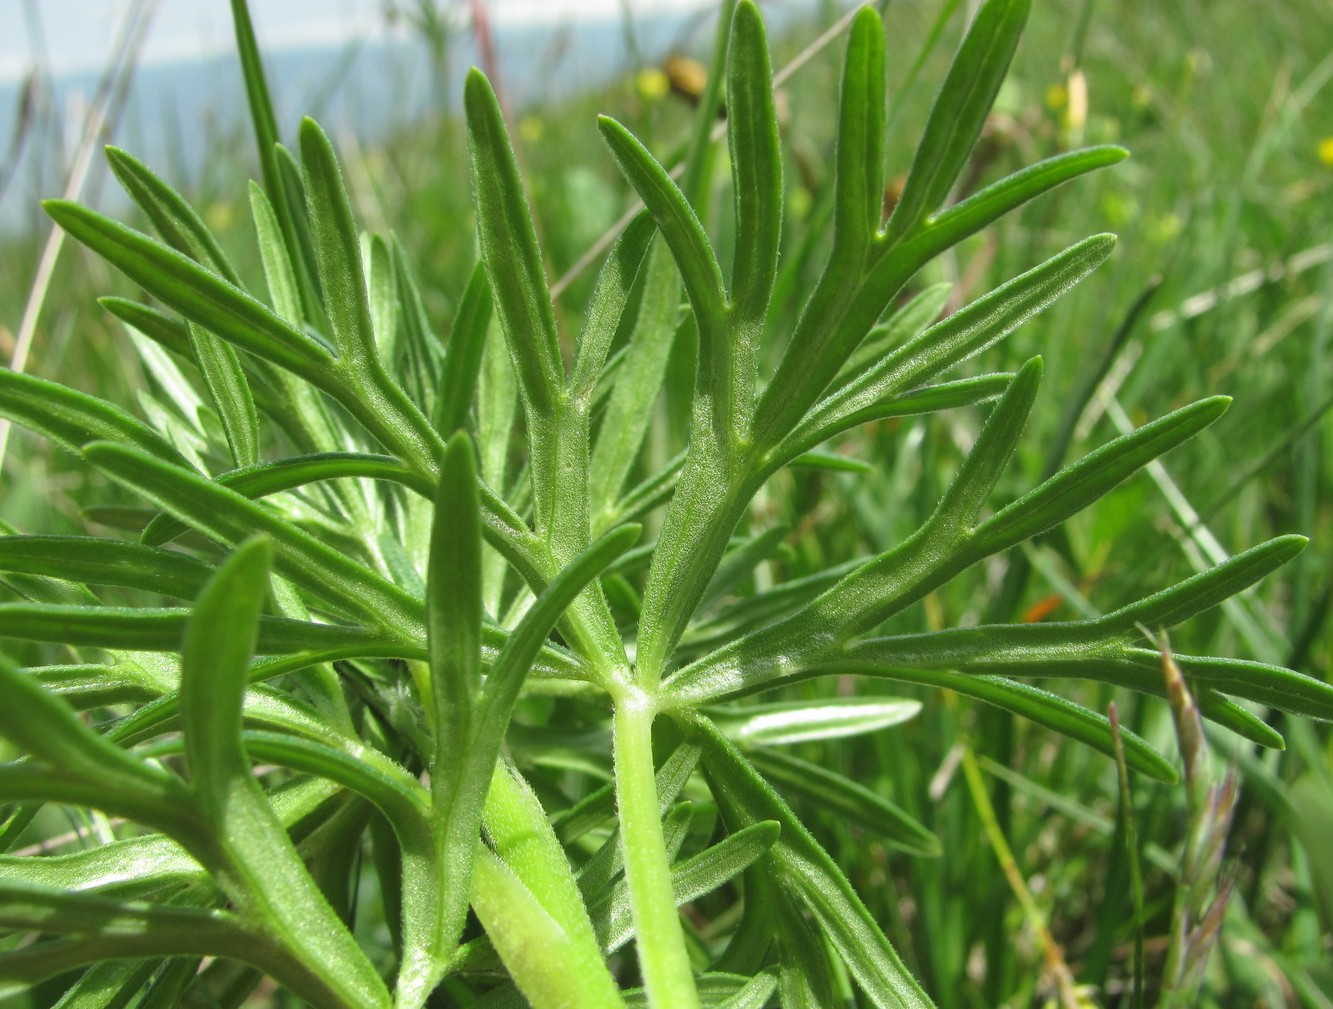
pixel 1222 283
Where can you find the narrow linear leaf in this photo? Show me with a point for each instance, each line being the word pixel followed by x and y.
pixel 990 454
pixel 337 250
pixel 1275 686
pixel 72 419
pixel 964 334
pixel 754 995
pixel 679 226
pixel 109 985
pixel 159 327
pixel 230 517
pixel 927 399
pixel 121 931
pixel 46 909
pixel 288 206
pixel 283 288
pixel 382 292
pixel 131 867
pixel 1207 589
pixel 653 492
pixel 859 164
pixel 1022 699
pixel 785 723
pixel 97 561
pixel 454 605
pixel 534 948
pixel 756 158
pixel 219 642
pixel 420 360
pixel 462 357
pixel 805 979
pixel 1077 486
pixel 832 462
pixel 176 221
pixel 199 295
pixel 48 729
pixel 606 310
pixel 1055 650
pixel 737 563
pixel 951 226
pixel 250 853
pixel 809 873
pixel 159 630
pixel 716 990
pixel 519 831
pixel 1239 719
pixel 267 478
pixel 526 640
pixel 596 874
pixel 959 111
pixel 831 328
pixel 639 381
pixel 509 249
pixel 89 685
pixel 850 801
pixel 695 877
pixel 301 240
pixel 907 323
pixel 398 795
pixel 228 393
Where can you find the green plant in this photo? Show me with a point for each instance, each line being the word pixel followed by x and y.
pixel 372 622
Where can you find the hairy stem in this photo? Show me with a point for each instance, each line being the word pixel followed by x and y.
pixel 663 958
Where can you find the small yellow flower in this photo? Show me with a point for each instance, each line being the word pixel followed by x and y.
pixel 1326 151
pixel 219 215
pixel 652 84
pixel 530 129
pixel 1056 97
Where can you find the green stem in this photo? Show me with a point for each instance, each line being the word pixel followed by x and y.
pixel 663 958
pixel 384 409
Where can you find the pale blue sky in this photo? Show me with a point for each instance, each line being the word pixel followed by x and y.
pixel 79 33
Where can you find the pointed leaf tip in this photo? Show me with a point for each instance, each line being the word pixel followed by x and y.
pixel 477 87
